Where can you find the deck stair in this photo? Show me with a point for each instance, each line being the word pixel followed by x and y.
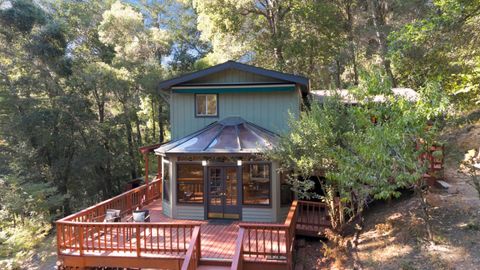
pixel 212 267
pixel 215 262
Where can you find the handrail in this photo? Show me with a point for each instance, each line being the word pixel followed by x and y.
pixel 126 201
pixel 237 261
pixel 275 242
pixel 76 238
pixel 267 241
pixel 192 257
pixel 312 216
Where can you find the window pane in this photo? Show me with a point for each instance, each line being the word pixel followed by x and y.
pixel 212 104
pixel 166 181
pixel 201 104
pixel 256 184
pixel 190 183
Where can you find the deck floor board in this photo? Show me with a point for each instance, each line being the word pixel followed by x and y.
pixel 217 236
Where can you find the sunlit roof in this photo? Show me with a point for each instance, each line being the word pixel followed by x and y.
pixel 347 97
pixel 230 135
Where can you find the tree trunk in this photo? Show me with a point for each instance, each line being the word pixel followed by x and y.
pixel 424 205
pixel 139 131
pixel 379 25
pixel 338 82
pixel 101 112
pixel 108 172
pixel 131 152
pixel 351 39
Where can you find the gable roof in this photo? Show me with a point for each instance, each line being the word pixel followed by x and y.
pixel 300 80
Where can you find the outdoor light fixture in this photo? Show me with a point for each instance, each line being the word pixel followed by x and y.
pixel 239 162
pixel 204 163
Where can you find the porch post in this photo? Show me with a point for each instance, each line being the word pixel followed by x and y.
pixel 145 155
pixel 159 167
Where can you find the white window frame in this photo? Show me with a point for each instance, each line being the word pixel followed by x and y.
pixel 206 105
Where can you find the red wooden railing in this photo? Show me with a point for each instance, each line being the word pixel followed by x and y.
pixel 237 261
pixel 434 161
pixel 85 233
pixel 125 202
pixel 267 242
pixel 312 218
pixel 128 239
pixel 192 258
pixel 264 243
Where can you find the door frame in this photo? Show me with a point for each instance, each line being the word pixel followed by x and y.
pixel 223 166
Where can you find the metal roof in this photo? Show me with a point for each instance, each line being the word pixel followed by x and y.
pixel 303 81
pixel 232 135
pixel 348 97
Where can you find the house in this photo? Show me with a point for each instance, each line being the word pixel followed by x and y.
pixel 215 202
pixel 222 119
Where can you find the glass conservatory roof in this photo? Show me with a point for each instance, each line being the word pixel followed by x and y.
pixel 230 135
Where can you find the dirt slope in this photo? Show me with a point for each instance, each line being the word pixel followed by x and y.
pixel 393 235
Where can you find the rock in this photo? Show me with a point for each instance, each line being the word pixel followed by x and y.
pixel 443 184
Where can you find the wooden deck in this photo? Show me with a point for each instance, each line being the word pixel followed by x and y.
pixel 85 240
pixel 218 236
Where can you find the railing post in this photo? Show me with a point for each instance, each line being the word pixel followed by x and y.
pixel 237 261
pixel 199 251
pixel 137 232
pixel 288 248
pixel 146 177
pixel 59 228
pixel 80 241
pixel 159 167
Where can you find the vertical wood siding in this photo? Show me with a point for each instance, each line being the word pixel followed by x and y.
pixel 195 212
pixel 257 214
pixel 268 110
pixel 234 76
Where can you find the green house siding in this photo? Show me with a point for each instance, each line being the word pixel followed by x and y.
pixel 234 76
pixel 268 110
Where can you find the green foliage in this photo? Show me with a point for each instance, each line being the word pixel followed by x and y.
pixel 73 76
pixel 358 159
pixel 22 16
pixel 441 48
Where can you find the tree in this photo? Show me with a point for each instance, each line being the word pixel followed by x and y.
pixel 351 157
pixel 439 47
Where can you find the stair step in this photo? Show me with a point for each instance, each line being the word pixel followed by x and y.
pixel 215 262
pixel 212 267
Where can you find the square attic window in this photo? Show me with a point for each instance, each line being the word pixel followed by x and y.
pixel 206 105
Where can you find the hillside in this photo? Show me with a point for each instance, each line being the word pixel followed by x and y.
pixel 393 233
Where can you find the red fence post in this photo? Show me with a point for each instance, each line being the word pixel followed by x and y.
pixel 146 176
pixel 80 235
pixel 137 232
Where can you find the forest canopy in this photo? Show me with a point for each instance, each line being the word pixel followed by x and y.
pixel 78 79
